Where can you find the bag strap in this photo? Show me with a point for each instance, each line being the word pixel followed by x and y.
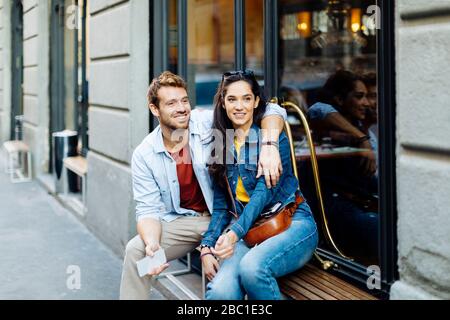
pixel 298 200
pixel 230 198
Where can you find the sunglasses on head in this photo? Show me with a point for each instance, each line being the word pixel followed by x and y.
pixel 245 73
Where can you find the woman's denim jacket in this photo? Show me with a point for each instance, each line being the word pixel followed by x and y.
pixel 260 196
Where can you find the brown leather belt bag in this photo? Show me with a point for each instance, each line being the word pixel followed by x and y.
pixel 268 226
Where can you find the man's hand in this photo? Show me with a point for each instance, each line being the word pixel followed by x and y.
pixel 150 250
pixel 270 165
pixel 210 264
pixel 225 245
pixel 368 162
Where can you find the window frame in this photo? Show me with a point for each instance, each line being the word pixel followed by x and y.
pixel 82 93
pixel 56 88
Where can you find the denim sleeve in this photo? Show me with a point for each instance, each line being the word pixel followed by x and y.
pixel 202 119
pixel 145 191
pixel 220 217
pixel 262 196
pixel 275 110
pixel 319 111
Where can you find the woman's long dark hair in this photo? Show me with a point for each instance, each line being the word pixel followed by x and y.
pixel 217 168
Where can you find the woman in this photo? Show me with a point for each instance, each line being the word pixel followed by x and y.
pixel 239 106
pixel 349 189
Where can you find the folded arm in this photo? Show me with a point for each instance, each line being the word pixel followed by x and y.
pixel 269 163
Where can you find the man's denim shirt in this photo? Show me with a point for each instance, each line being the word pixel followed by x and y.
pixel 260 196
pixel 155 182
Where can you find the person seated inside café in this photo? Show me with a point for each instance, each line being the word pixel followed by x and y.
pixel 349 181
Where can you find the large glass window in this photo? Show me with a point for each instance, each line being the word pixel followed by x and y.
pixel 327 66
pixel 324 56
pixel 210 47
pixel 254 37
pixel 173 35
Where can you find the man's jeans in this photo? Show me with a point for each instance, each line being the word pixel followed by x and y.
pixel 253 271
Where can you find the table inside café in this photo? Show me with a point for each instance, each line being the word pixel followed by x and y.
pixel 325 152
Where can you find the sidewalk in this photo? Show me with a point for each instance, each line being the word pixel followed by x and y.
pixel 43 249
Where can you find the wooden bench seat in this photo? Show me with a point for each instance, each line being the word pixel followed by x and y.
pixel 16 146
pixel 79 166
pixel 312 283
pixel 18 161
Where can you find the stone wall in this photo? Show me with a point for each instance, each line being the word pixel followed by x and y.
pixel 423 150
pixel 118 115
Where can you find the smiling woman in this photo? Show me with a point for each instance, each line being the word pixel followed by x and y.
pixel 241 196
pixel 240 103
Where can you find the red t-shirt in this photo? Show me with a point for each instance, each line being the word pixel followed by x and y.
pixel 191 195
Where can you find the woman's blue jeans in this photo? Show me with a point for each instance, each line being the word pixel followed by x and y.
pixel 253 271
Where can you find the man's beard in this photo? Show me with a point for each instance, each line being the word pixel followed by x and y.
pixel 173 125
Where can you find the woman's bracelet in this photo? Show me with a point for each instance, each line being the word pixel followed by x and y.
pixel 271 143
pixel 207 253
pixel 363 139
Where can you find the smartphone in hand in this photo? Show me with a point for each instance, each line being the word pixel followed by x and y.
pixel 149 263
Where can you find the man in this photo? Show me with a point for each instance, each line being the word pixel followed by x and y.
pixel 173 196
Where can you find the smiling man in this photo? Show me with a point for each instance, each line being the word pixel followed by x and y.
pixel 171 184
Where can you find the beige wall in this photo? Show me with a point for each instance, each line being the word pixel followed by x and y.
pixel 423 152
pixel 118 114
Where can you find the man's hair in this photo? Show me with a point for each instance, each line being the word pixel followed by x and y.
pixel 338 85
pixel 165 79
pixel 370 79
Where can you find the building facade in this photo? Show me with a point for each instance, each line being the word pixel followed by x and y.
pixel 85 66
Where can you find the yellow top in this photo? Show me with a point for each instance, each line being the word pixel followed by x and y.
pixel 241 193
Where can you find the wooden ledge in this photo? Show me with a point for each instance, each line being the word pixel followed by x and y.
pixel 16 146
pixel 76 164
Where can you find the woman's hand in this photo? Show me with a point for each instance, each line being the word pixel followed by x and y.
pixel 225 245
pixel 270 165
pixel 210 264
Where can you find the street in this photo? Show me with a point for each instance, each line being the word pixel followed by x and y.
pixel 46 253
